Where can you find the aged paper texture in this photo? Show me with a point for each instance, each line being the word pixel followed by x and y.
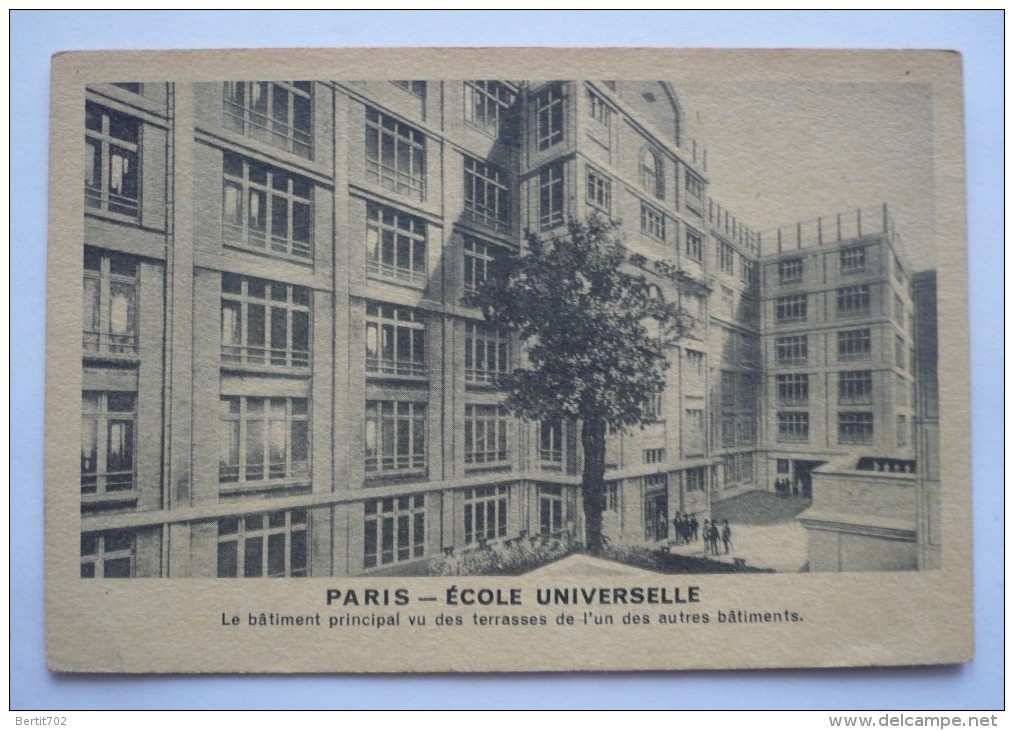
pixel 336 414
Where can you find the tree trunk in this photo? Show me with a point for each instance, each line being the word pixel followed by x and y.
pixel 593 441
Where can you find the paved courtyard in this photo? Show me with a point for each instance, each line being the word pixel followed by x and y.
pixel 765 532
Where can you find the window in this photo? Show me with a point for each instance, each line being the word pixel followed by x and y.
pixel 486 195
pixel 790 309
pixel 486 201
pixel 654 456
pixel 853 259
pixel 486 105
pixel 694 437
pixel 395 155
pixel 551 509
pixel 782 466
pixel 854 301
pixel 726 258
pixel 395 437
pixel 854 345
pixel 107 554
pixel 551 441
pixel 272 545
pixel 485 434
pixel 695 362
pixel 395 341
pixel 693 184
pixel 855 428
pixel 265 322
pixel 790 271
pixel 747 270
pixel 793 390
pixel 902 390
pixel 394 530
pixel 652 222
pixel 414 87
pixel 487 354
pixel 902 427
pixel 652 173
pixel 110 303
pixel 112 154
pixel 485 513
pixel 551 205
pixel 611 496
pixel 793 426
pixel 791 350
pixel 899 351
pixel 132 87
pixel 263 439
pixel 599 191
pixel 107 443
pixel 855 386
pixel 480 263
pixel 728 429
pixel 695 479
pixel 549 116
pixel 737 468
pixel 277 113
pixel 653 408
pixel 899 311
pixel 600 112
pixel 395 246
pixel 695 245
pixel 262 204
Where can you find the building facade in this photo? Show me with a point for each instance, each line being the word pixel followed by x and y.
pixel 281 375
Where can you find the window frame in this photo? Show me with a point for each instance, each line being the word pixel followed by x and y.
pixel 599 190
pixel 549 116
pixel 790 271
pixel 237 418
pixel 100 194
pixel 495 97
pixel 552 196
pixel 486 346
pixel 390 420
pixel 296 314
pixel 390 143
pixel 112 435
pixel 791 309
pixel 102 287
pixel 403 354
pixel 551 443
pixel 855 427
pixel 405 237
pixel 652 222
pixel 793 427
pixel 792 350
pixel 651 172
pixel 102 556
pixel 792 389
pixel 394 530
pixel 293 526
pixel 853 301
pixel 852 260
pixel 855 387
pixel 485 513
pixel 855 345
pixel 242 116
pixel 493 182
pixel 483 420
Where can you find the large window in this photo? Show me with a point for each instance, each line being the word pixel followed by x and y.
pixel 652 222
pixel 395 155
pixel 394 530
pixel 272 545
pixel 395 340
pixel 793 426
pixel 487 353
pixel 263 439
pixel 853 301
pixel 111 175
pixel 485 435
pixel 110 303
pixel 899 351
pixel 107 443
pixel 747 270
pixel 551 441
pixel 726 258
pixel 695 479
pixel 791 350
pixel 793 389
pixel 485 513
pixel 552 509
pixel 549 116
pixel 551 202
pixel 652 173
pixel 855 428
pixel 395 437
pixel 487 104
pixel 395 245
pixel 790 309
pixel 853 260
pixel 265 322
pixel 480 262
pixel 654 456
pixel 107 554
pixel 486 201
pixel 790 271
pixel 265 208
pixel 855 387
pixel 854 345
pixel 279 113
pixel 601 112
pixel 600 191
pixel 695 245
pixel 693 184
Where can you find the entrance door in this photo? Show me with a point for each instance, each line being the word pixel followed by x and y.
pixel 656 499
pixel 801 472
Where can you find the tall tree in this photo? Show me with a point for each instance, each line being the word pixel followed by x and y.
pixel 595 332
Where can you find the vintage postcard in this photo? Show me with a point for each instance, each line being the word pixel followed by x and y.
pixel 612 360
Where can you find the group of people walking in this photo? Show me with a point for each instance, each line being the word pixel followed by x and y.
pixel 686 529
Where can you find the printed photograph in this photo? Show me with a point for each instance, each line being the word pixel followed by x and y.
pixel 507 327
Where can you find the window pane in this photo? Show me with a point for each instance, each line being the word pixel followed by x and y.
pixel 253 557
pixel 227 559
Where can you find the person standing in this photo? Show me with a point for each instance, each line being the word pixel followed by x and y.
pixel 693 527
pixel 706 534
pixel 726 536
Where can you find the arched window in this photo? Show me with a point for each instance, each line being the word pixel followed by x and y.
pixel 651 173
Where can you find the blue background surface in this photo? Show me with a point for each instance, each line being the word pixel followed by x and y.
pixel 35 35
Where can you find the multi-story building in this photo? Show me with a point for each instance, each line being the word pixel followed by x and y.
pixel 282 376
